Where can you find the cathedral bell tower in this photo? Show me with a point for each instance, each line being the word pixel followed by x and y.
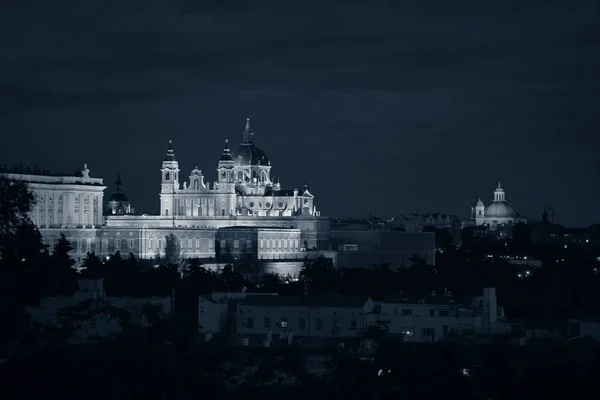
pixel 479 211
pixel 225 168
pixel 169 182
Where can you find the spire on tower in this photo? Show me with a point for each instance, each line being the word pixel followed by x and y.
pixel 226 156
pixel 119 184
pixel 170 153
pixel 247 134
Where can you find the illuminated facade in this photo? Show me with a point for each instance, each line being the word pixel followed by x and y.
pixel 242 196
pixel 496 215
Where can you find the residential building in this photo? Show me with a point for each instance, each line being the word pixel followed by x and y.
pixel 440 317
pixel 327 315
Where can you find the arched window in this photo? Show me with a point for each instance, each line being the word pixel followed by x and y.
pixel 240 176
pixel 167 212
pixel 196 184
pixel 479 212
pixel 167 176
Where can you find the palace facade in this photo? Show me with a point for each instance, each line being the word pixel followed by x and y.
pixel 284 223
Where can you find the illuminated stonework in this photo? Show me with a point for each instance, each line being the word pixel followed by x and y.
pixel 498 213
pixel 71 205
pixel 243 196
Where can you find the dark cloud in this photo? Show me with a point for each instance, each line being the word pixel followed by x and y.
pixel 409 106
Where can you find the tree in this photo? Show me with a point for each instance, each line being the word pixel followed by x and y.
pixel 319 275
pixel 172 249
pixel 60 254
pixel 375 334
pixel 92 267
pixel 63 277
pixel 16 202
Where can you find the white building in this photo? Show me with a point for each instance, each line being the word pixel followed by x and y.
pixel 428 319
pixel 499 213
pixel 435 318
pixel 327 315
pixel 97 323
pixel 71 205
pixel 244 195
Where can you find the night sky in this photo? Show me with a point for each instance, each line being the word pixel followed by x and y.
pixel 417 107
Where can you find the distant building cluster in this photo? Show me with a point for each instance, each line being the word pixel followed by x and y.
pixel 262 319
pixel 244 213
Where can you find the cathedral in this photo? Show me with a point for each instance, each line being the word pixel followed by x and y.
pixel 496 215
pixel 243 187
pixel 242 211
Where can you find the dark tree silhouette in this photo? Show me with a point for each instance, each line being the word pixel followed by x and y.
pixel 319 276
pixel 172 250
pixel 92 267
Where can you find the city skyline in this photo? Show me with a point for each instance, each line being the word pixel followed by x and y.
pixel 412 113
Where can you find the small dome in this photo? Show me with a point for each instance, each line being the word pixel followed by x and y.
pixel 501 209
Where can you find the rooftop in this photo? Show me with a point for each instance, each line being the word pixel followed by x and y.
pixel 325 300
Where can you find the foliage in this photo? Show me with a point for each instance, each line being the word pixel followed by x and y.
pixel 172 250
pixel 319 276
pixel 16 201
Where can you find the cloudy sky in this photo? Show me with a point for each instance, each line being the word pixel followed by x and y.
pixel 385 107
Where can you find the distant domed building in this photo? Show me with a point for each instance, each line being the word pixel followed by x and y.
pixel 496 214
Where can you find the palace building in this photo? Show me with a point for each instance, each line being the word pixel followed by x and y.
pixel 256 216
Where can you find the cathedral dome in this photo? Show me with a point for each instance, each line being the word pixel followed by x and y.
pixel 501 209
pixel 118 197
pixel 248 153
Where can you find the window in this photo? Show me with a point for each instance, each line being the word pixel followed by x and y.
pixel 118 243
pixel 319 323
pixel 197 244
pixel 236 244
pixel 267 322
pixel 249 322
pixel 406 312
pixel 444 313
pixel 407 331
pixel 353 324
pixel 432 313
pixel 283 323
pixel 428 332
pixel 301 323
pixel 336 324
